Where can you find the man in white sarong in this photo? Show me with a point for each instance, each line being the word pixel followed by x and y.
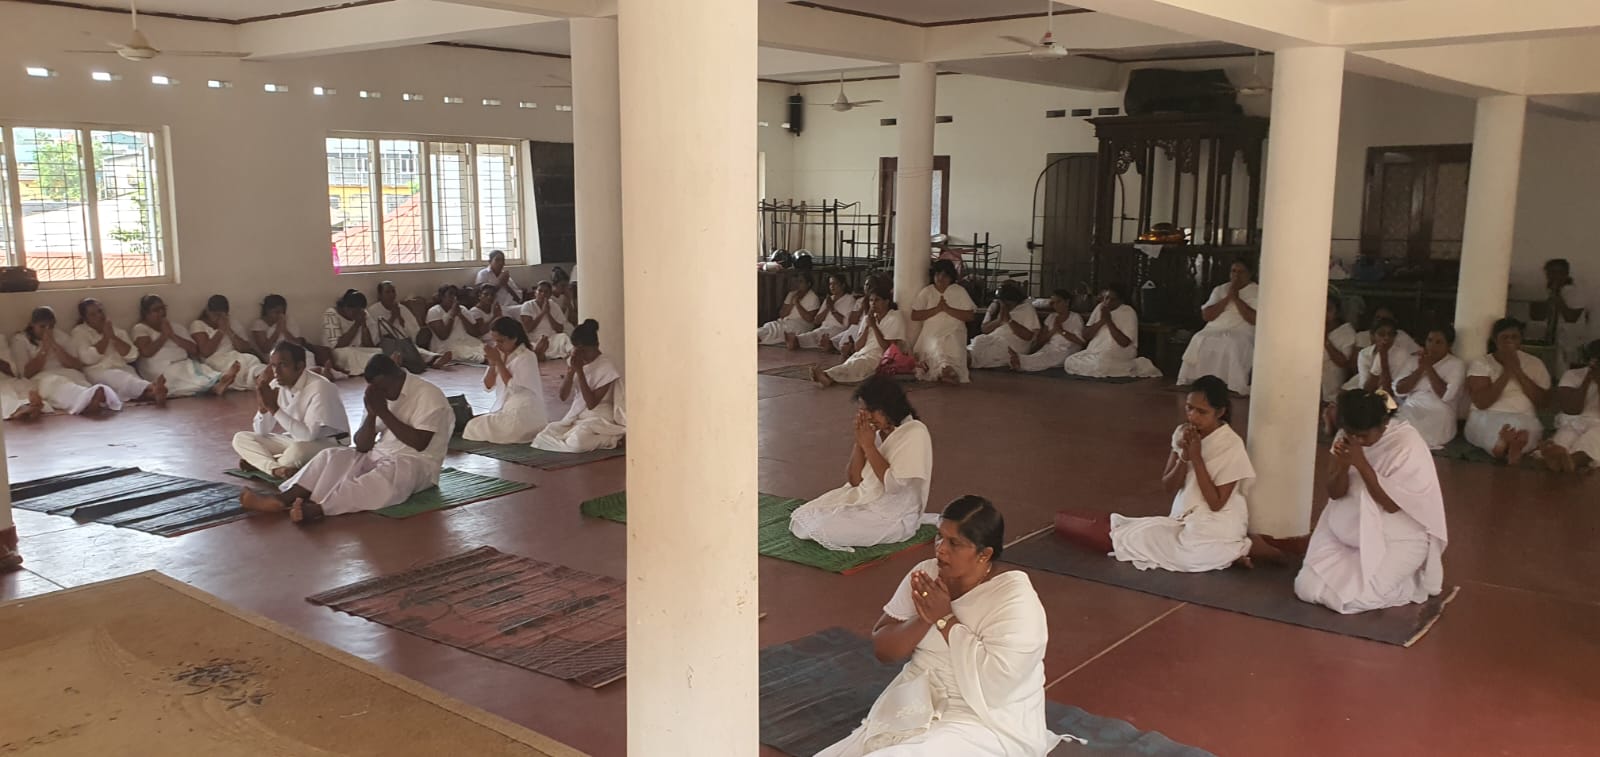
pixel 1381 538
pixel 797 316
pixel 943 308
pixel 832 319
pixel 398 451
pixel 1009 326
pixel 1061 336
pixel 1225 348
pixel 1570 319
pixel 1113 334
pixel 507 294
pixel 304 404
pixel 1576 444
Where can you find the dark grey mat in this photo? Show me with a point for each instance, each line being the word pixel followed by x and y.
pixel 130 498
pixel 1057 373
pixel 1265 592
pixel 815 691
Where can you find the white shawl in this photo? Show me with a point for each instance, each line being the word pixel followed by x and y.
pixel 1406 472
pixel 909 450
pixel 1227 461
pixel 524 366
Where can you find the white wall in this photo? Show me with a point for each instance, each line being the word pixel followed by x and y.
pixel 774 141
pixel 248 168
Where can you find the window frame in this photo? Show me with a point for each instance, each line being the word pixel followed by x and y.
pixel 162 192
pixel 375 176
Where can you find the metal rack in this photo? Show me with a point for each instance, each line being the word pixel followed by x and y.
pixel 836 233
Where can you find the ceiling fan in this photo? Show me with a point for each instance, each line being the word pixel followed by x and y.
pixel 844 104
pixel 1046 48
pixel 1255 86
pixel 137 48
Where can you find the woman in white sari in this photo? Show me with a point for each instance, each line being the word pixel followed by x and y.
pixel 398 327
pixel 1208 528
pixel 513 375
pixel 1009 327
pixel 833 317
pixel 165 353
pixel 350 334
pixel 797 316
pixel 46 356
pixel 597 418
pixel 275 327
pixel 882 326
pixel 1339 352
pixel 107 353
pixel 1061 336
pixel 455 328
pixel 886 489
pixel 1507 387
pixel 1430 394
pixel 546 324
pixel 1380 540
pixel 1226 346
pixel 845 340
pixel 943 308
pixel 1380 364
pixel 19 397
pixel 1113 334
pixel 222 344
pixel 974 640
pixel 1576 444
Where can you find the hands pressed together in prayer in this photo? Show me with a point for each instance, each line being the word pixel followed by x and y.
pixel 866 433
pixel 1189 444
pixel 1349 452
pixel 266 393
pixel 931 597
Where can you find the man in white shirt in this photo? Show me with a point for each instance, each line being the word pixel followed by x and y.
pixel 507 293
pixel 305 405
pixel 398 451
pixel 1569 313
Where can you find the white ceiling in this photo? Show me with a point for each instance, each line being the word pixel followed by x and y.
pixel 940 11
pixel 230 10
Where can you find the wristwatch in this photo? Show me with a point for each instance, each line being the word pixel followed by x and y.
pixel 944 621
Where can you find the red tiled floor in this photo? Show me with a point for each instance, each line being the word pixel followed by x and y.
pixel 1510 670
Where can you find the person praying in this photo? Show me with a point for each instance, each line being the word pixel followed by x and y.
pixel 1576 444
pixel 274 327
pixel 399 451
pixel 304 404
pixel 1430 394
pixel 886 480
pixel 546 324
pixel 1226 346
pixel 833 317
pixel 943 308
pixel 797 316
pixel 221 344
pixel 881 327
pixel 108 352
pixel 972 636
pixel 1113 336
pixel 455 327
pixel 1061 336
pixel 1009 326
pixel 507 294
pixel 163 352
pixel 1570 320
pixel 1507 387
pixel 348 332
pixel 1210 470
pixel 1380 540
pixel 45 356
pixel 1339 352
pixel 1383 362
pixel 512 374
pixel 597 417
pixel 396 322
pixel 20 399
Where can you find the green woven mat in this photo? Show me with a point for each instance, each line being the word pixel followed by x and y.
pixel 527 454
pixel 773 537
pixel 455 488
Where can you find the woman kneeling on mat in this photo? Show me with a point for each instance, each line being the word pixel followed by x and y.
pixel 974 637
pixel 891 465
pixel 513 375
pixel 1381 537
pixel 596 419
pixel 1208 527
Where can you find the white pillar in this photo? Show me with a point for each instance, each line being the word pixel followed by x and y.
pixel 1491 218
pixel 597 174
pixel 1286 390
pixel 688 166
pixel 913 180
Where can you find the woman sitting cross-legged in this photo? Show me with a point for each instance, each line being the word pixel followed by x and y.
pixel 455 327
pixel 1507 386
pixel 107 352
pixel 797 316
pixel 891 466
pixel 1113 335
pixel 1061 336
pixel 597 418
pixel 1380 540
pixel 1208 528
pixel 943 308
pixel 1576 444
pixel 46 356
pixel 845 340
pixel 881 326
pixel 833 317
pixel 165 353
pixel 349 333
pixel 1226 346
pixel 546 324
pixel 1009 327
pixel 20 399
pixel 222 345
pixel 973 638
pixel 274 328
pixel 513 375
pixel 1430 393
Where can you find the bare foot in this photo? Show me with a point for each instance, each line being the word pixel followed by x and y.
pixel 259 503
pixel 829 347
pixel 1556 459
pixel 791 341
pixel 97 402
pixel 282 472
pixel 1503 445
pixel 948 375
pixel 821 377
pixel 304 512
pixel 245 466
pixel 446 358
pixel 542 347
pixel 1518 445
pixel 226 382
pixel 1016 360
pixel 158 391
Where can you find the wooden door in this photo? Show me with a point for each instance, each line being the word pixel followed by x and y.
pixel 886 190
pixel 1067 221
pixel 551 166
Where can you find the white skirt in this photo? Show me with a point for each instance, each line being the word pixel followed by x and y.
pixel 69 392
pixel 250 368
pixel 1051 355
pixel 518 421
pixel 353 360
pixel 936 352
pixel 1226 354
pixel 1483 428
pixel 1432 418
pixel 1581 436
pixel 122 380
pixel 814 338
pixel 857 368
pixel 994 350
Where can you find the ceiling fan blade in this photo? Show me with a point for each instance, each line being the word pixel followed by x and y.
pixel 1006 55
pixel 859 103
pixel 555 86
pixel 1028 43
pixel 92 52
pixel 205 54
